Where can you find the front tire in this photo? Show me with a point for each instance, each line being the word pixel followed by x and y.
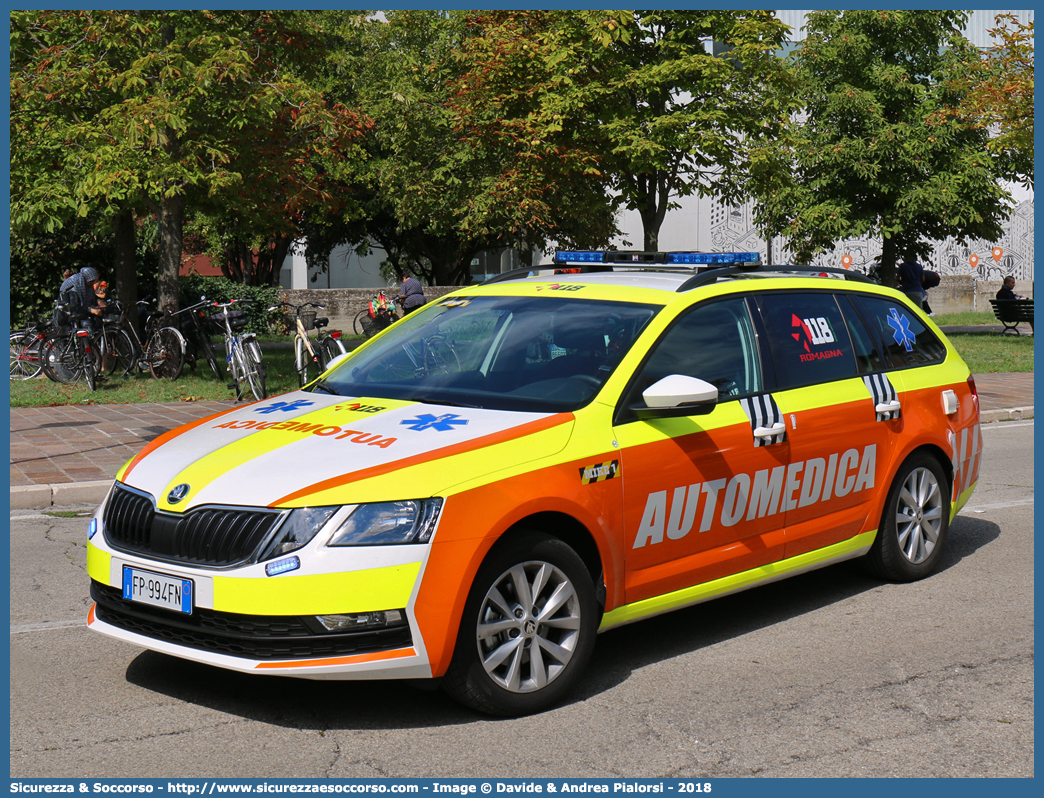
pixel 913 531
pixel 528 628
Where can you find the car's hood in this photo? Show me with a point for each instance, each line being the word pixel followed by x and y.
pixel 308 449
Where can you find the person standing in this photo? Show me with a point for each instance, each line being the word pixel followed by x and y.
pixel 911 280
pixel 411 295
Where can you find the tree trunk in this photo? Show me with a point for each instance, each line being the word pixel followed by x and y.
pixel 171 224
pixel 125 272
pixel 889 254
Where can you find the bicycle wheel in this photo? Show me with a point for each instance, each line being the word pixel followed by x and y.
pixel 253 369
pixel 208 353
pixel 166 354
pixel 117 353
pixel 302 362
pixel 332 348
pixel 359 325
pixel 88 351
pixel 59 358
pixel 25 355
pixel 235 370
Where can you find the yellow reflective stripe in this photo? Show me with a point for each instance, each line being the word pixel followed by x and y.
pixel 731 584
pixel 815 397
pixel 947 373
pixel 123 468
pixel 98 564
pixel 318 594
pixel 961 501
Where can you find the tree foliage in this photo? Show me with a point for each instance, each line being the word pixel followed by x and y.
pixel 872 155
pixel 161 111
pixel 997 87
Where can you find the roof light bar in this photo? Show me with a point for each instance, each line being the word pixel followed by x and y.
pixel 670 258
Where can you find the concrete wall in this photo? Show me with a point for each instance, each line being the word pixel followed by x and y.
pixel 342 304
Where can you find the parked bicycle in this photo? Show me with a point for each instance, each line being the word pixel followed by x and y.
pixel 378 314
pixel 194 326
pixel 25 349
pixel 311 358
pixel 69 353
pixel 242 351
pixel 122 351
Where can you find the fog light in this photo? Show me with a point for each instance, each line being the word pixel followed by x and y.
pixel 362 620
pixel 92 528
pixel 282 566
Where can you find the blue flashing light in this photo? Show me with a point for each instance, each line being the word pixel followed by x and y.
pixel 92 528
pixel 584 256
pixel 283 566
pixel 713 257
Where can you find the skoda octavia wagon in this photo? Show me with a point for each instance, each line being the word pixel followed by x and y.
pixel 475 493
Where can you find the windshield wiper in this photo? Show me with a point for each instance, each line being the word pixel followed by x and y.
pixel 325 387
pixel 447 402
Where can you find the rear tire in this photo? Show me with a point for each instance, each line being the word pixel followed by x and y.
pixel 60 359
pixel 25 355
pixel 255 369
pixel 528 628
pixel 915 524
pixel 166 354
pixel 358 324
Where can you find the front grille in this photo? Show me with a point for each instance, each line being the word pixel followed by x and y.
pixel 211 536
pixel 264 637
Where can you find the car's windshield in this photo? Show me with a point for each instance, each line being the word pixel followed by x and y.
pixel 502 353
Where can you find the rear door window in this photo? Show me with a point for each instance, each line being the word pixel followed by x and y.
pixel 907 341
pixel 808 338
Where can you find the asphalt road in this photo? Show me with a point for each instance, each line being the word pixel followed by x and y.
pixel 827 674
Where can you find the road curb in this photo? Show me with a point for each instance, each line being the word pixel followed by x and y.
pixel 1006 414
pixel 38 497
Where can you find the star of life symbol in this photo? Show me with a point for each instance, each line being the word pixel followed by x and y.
pixel 442 423
pixel 901 330
pixel 284 407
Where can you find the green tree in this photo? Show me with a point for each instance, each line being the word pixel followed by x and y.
pixel 870 156
pixel 151 110
pixel 997 91
pixel 678 96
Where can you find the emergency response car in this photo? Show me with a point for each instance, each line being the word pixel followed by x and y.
pixel 477 491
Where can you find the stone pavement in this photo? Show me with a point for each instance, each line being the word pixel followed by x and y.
pixel 69 454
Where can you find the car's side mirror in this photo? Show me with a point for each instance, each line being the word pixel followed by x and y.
pixel 677 395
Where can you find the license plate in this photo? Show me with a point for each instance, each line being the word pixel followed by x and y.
pixel 160 590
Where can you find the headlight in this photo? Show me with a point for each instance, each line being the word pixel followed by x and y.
pixel 386 523
pixel 298 528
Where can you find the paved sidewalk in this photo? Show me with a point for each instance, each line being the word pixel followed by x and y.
pixel 69 454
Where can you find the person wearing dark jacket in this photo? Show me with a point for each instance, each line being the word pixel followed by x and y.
pixel 79 292
pixel 1007 289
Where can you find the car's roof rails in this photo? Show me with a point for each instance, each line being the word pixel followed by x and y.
pixel 708 276
pixel 591 261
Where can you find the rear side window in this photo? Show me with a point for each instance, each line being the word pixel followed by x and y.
pixel 808 338
pixel 906 340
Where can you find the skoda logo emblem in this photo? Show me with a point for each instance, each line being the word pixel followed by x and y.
pixel 179 493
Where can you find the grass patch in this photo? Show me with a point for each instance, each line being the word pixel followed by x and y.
pixel 66 514
pixel 192 386
pixel 996 353
pixel 965 318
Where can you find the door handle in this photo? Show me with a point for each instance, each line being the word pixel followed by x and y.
pixel 887 407
pixel 770 432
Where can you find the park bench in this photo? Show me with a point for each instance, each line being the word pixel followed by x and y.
pixel 1013 312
